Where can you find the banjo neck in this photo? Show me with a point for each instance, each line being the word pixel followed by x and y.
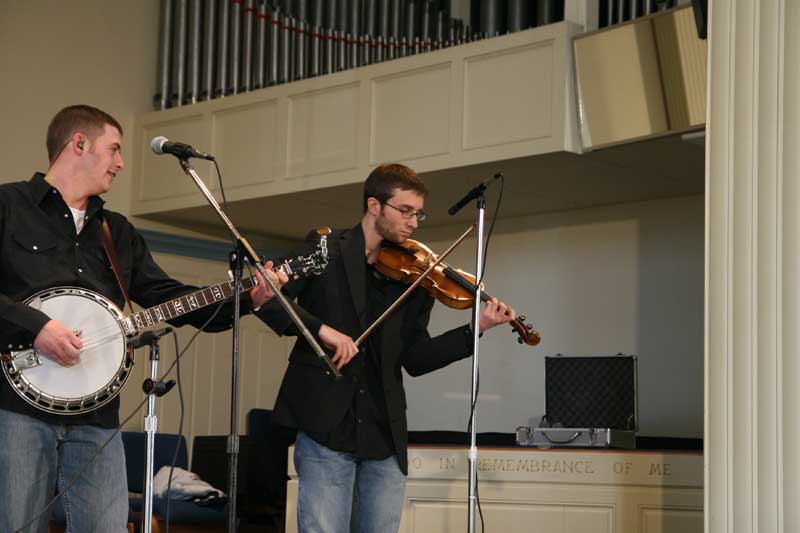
pixel 135 323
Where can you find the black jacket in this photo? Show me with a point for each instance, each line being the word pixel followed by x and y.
pixel 309 398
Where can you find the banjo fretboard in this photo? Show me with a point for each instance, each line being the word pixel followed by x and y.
pixel 152 316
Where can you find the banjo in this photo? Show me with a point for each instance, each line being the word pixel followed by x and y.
pixel 105 362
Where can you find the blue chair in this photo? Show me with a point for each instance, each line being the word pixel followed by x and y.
pixel 183 515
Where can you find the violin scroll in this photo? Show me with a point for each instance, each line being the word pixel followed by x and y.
pixel 527 335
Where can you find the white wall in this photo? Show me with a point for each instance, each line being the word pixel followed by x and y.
pixel 54 53
pixel 624 278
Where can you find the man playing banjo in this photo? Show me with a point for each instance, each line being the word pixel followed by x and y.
pixel 51 236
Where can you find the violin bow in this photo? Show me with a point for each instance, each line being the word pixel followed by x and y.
pixel 413 286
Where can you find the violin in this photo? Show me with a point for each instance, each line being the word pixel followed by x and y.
pixel 407 261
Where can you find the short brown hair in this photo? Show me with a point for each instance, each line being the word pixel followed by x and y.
pixel 83 118
pixel 382 182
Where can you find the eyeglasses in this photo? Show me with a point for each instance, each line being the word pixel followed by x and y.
pixel 408 213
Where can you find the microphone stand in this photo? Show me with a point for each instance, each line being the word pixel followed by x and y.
pixel 476 193
pixel 476 309
pixel 245 252
pixel 152 387
pixel 237 266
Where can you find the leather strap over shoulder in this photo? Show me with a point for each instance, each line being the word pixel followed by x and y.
pixel 111 252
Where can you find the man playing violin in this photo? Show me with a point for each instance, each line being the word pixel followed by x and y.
pixel 351 448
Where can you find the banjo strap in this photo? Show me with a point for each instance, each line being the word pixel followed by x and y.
pixel 111 252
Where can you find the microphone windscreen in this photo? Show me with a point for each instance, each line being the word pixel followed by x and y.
pixel 157 144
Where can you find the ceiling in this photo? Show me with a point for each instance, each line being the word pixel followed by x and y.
pixel 645 170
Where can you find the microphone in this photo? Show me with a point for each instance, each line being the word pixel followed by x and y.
pixel 148 337
pixel 162 145
pixel 473 194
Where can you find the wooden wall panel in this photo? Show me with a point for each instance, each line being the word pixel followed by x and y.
pixel 246 138
pixel 411 114
pixel 323 130
pixel 499 112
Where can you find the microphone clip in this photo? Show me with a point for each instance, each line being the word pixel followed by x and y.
pixel 158 388
pixel 148 337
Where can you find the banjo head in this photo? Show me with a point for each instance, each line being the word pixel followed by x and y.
pixel 103 366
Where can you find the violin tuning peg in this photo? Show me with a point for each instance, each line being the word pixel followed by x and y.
pixel 519 340
pixel 522 317
pixel 529 327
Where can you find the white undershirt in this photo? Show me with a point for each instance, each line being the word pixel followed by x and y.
pixel 78 218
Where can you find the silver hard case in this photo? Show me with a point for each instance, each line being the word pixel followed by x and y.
pixel 581 391
pixel 576 437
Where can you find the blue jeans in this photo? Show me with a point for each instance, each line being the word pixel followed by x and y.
pixel 340 493
pixel 37 458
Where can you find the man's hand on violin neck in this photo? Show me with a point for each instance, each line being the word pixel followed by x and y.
pixel 494 313
pixel 343 346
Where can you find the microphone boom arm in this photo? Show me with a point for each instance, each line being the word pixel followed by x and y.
pixel 251 254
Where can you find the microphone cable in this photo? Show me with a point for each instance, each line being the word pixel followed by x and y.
pixel 221 188
pixel 224 198
pixel 180 426
pixel 478 282
pixel 127 419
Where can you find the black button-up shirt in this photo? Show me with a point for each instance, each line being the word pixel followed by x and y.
pixel 41 250
pixel 364 431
